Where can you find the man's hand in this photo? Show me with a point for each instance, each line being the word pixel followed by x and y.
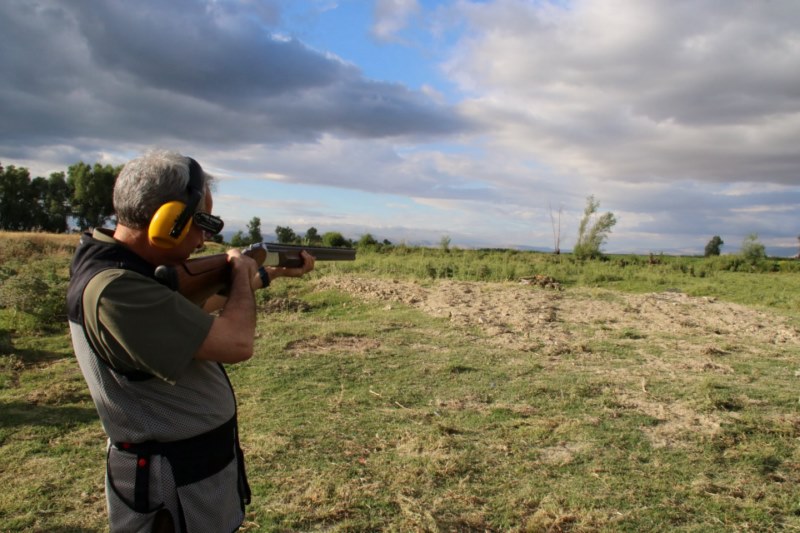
pixel 287 272
pixel 241 264
pixel 308 266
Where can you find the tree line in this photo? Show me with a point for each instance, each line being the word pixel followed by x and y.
pixel 312 237
pixel 85 195
pixel 82 195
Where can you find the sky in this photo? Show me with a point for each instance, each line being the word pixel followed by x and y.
pixel 488 123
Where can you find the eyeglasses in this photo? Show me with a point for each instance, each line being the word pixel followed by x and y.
pixel 209 223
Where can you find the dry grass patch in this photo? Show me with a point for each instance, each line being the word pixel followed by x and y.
pixel 327 344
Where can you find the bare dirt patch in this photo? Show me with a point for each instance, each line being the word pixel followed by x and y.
pixel 525 315
pixel 670 335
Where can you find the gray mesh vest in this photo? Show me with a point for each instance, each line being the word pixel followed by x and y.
pixel 173 448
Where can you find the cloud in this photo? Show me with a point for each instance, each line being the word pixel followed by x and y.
pixel 640 90
pixel 391 16
pixel 368 165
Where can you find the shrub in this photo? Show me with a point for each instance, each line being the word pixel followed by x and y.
pixel 752 250
pixel 38 290
pixel 591 239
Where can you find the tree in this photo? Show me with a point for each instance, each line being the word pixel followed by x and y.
pixel 713 246
pixel 238 240
pixel 15 198
pixel 254 230
pixel 591 238
pixel 58 202
pixel 37 196
pixel 335 239
pixel 92 193
pixel 312 237
pixel 253 236
pixel 752 249
pixel 37 204
pixel 51 199
pixel 444 243
pixel 367 241
pixel 286 235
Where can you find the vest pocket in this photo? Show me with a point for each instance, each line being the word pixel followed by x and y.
pixel 132 506
pixel 213 504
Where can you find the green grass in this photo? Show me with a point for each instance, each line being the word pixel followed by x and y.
pixel 770 283
pixel 358 416
pixel 392 421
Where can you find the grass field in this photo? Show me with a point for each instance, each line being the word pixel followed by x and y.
pixel 426 390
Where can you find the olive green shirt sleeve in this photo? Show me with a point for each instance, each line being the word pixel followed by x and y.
pixel 138 324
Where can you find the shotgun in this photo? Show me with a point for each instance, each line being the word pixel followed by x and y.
pixel 200 278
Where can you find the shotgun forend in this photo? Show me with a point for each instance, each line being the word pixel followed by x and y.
pixel 288 255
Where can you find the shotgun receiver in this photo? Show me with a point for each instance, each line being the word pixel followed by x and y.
pixel 200 278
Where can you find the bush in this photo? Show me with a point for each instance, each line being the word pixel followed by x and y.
pixel 38 290
pixel 752 250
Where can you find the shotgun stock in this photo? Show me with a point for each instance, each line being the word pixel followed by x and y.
pixel 200 278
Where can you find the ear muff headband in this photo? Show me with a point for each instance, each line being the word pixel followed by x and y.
pixel 172 221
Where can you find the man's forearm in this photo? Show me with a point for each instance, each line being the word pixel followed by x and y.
pixel 232 333
pixel 240 306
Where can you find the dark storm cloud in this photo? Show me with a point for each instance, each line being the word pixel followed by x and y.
pixel 207 72
pixel 180 47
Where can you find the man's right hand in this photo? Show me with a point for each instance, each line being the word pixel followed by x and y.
pixel 242 265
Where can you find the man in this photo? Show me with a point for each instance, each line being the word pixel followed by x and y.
pixel 153 360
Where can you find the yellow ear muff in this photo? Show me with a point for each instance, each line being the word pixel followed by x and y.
pixel 163 222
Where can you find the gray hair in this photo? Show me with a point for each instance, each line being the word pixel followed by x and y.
pixel 148 182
